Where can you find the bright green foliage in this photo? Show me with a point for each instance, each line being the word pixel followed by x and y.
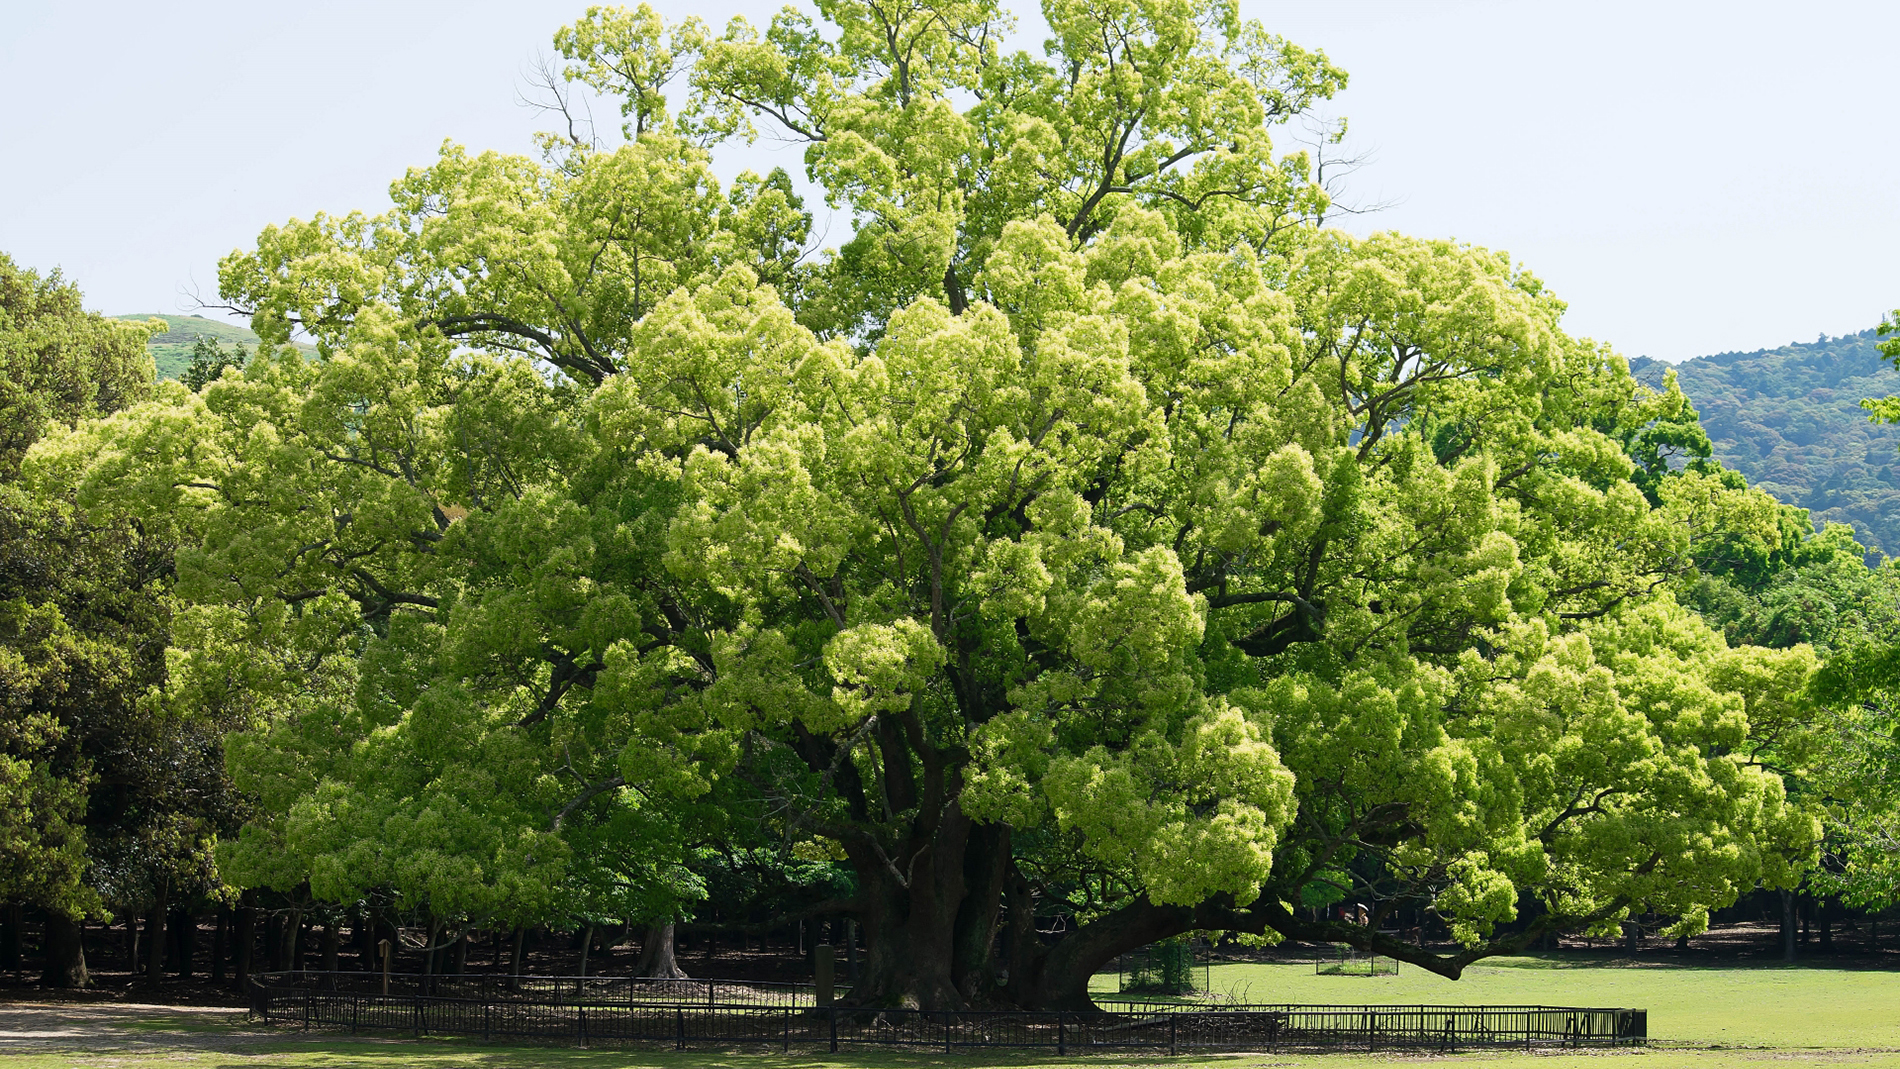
pixel 1828 733
pixel 1855 769
pixel 1886 409
pixel 1090 534
pixel 59 363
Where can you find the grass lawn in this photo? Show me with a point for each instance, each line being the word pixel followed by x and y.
pixel 1733 1005
pixel 1700 1018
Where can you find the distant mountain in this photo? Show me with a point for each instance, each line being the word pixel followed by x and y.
pixel 1790 420
pixel 171 351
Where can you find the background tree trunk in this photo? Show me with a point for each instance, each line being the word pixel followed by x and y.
pixel 1788 926
pixel 289 946
pixel 246 939
pixel 363 931
pixel 220 944
pixel 429 949
pixel 155 940
pixel 299 940
pixel 65 953
pixel 12 920
pixel 657 954
pixel 184 927
pixel 274 942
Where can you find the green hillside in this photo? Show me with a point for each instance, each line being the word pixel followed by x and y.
pixel 171 351
pixel 1790 420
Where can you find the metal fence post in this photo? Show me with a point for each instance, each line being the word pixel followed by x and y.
pixel 786 1013
pixel 679 1028
pixel 832 1014
pixel 1062 1033
pixel 1172 1018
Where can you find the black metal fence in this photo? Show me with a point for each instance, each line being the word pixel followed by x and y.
pixel 552 990
pixel 622 1010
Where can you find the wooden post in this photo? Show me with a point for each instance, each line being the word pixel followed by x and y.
pixel 383 946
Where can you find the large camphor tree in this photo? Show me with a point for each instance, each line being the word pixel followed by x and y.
pixel 1091 549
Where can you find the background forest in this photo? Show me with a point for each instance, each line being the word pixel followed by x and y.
pixel 1790 420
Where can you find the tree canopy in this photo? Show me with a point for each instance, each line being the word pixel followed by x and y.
pixel 111 794
pixel 1090 535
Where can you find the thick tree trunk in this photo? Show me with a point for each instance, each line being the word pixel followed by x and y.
pixel 930 941
pixel 911 926
pixel 514 963
pixel 332 946
pixel 65 953
pixel 658 956
pixel 1057 977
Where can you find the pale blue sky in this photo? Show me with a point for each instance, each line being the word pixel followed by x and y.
pixel 1691 177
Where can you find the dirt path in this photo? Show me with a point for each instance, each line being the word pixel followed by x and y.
pixel 98 1026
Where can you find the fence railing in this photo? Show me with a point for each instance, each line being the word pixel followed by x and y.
pixel 619 1010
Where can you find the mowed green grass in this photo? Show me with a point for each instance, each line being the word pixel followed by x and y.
pixel 1734 1006
pixel 1700 1018
pixel 332 1053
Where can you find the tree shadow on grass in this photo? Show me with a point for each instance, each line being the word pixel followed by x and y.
pixel 385 1053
